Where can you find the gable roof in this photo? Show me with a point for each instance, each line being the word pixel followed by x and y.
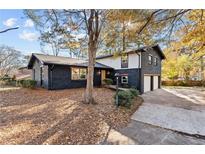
pixel 59 60
pixel 143 49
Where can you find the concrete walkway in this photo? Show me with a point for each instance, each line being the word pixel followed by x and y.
pixel 174 118
pixel 145 134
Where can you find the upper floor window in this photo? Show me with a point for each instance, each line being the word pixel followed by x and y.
pixel 150 59
pixel 155 61
pixel 78 73
pixel 124 61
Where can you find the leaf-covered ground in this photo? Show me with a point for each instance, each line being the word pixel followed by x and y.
pixel 59 117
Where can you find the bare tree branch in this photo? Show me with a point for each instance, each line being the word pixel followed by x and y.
pixel 148 21
pixel 6 30
pixel 202 14
pixel 85 18
pixel 170 17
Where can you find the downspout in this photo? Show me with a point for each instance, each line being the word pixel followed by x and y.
pixel 140 69
pixel 51 77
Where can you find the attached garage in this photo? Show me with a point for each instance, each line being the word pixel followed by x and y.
pixel 151 82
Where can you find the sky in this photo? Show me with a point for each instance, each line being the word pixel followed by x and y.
pixel 24 39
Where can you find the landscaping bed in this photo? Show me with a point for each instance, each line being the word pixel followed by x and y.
pixel 39 116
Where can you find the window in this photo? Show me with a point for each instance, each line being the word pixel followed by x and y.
pixel 155 61
pixel 150 59
pixel 124 61
pixel 124 79
pixel 78 73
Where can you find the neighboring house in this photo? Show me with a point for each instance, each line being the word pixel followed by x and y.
pixel 23 73
pixel 139 69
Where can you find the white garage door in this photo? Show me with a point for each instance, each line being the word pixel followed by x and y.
pixel 156 82
pixel 147 83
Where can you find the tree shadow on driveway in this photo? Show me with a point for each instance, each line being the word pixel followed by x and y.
pixel 173 98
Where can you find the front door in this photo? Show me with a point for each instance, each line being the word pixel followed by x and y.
pixel 103 75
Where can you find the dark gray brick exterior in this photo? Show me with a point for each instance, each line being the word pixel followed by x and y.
pixel 60 78
pixel 133 77
pixel 147 68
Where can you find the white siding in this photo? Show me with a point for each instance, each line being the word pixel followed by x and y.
pixel 115 62
pixel 133 61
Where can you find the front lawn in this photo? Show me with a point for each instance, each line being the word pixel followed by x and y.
pixel 59 117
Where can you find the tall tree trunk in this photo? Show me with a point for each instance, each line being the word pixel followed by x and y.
pixel 93 33
pixel 90 76
pixel 123 37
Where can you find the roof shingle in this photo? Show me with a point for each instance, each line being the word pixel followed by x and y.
pixel 59 60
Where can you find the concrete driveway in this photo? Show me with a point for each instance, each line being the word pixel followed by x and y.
pixel 170 116
pixel 182 97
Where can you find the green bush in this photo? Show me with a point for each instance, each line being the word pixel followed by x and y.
pixel 134 92
pixel 188 83
pixel 26 83
pixel 19 83
pixel 108 81
pixel 125 98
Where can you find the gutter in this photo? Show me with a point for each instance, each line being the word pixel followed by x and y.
pixel 140 71
pixel 51 76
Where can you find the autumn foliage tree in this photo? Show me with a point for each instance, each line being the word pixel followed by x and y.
pixel 75 27
pixel 189 44
pixel 93 31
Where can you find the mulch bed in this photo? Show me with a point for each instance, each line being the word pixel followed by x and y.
pixel 59 117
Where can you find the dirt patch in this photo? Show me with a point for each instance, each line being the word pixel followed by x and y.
pixel 59 117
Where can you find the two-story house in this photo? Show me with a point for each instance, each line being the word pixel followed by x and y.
pixel 139 69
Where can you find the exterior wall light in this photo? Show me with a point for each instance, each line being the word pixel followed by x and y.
pixel 99 72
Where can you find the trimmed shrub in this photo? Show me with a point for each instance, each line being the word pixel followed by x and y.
pixel 188 83
pixel 26 83
pixel 125 98
pixel 19 83
pixel 108 81
pixel 134 92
